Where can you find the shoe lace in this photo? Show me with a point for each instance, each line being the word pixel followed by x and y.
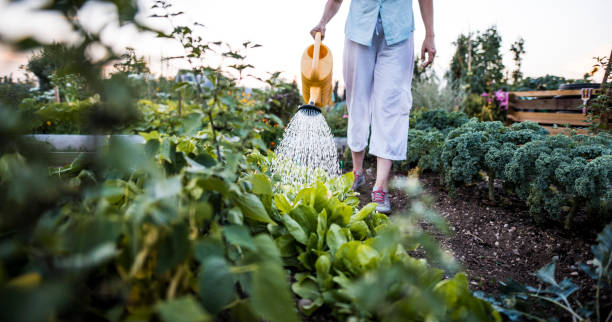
pixel 378 196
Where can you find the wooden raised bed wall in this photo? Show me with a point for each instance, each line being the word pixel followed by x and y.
pixel 549 108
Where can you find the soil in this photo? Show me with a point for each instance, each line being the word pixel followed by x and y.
pixel 495 243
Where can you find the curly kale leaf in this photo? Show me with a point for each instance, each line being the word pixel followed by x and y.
pixel 595 184
pixel 440 120
pixel 424 148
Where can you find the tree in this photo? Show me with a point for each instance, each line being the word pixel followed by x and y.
pixel 517 49
pixel 49 60
pixel 477 64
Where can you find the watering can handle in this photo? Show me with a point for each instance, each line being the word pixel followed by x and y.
pixel 315 57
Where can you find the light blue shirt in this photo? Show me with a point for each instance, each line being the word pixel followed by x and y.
pixel 396 15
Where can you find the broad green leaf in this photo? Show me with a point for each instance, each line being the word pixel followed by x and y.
pixel 165 151
pixel 270 294
pixel 153 135
pixel 282 204
pixel 234 216
pixel 295 229
pixel 306 288
pixel 165 188
pixel 266 248
pixel 335 238
pixel 306 217
pixel 216 284
pixel 305 196
pixel 286 246
pixel 321 197
pixel 174 248
pixel 360 230
pixel 252 207
pixel 185 146
pixel 208 248
pixel 261 184
pixel 357 257
pixel 341 213
pixel 239 235
pixel 323 265
pixel 364 212
pixel 214 184
pixel 321 228
pixel 184 309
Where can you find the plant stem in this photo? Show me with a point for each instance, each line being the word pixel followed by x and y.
pixel 174 283
pixel 570 215
pixel 567 308
pixel 491 186
pixel 214 134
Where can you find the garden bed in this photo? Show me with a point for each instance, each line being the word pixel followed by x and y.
pixel 496 243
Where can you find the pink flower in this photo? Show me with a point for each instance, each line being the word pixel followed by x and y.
pixel 345 116
pixel 484 94
pixel 502 97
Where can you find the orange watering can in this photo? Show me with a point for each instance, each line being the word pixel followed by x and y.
pixel 317 63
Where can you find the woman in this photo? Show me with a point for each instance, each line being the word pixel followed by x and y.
pixel 378 63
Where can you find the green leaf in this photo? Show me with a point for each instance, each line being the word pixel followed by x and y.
pixel 341 213
pixel 270 294
pixel 216 284
pixel 208 248
pixel 266 248
pixel 306 217
pixel 239 235
pixel 321 228
pixel 153 135
pixel 184 309
pixel 180 86
pixel 547 274
pixel 282 204
pixel 252 207
pixel 357 257
pixel 323 265
pixel 174 248
pixel 234 216
pixel 295 229
pixel 364 212
pixel 360 230
pixel 261 184
pixel 335 238
pixel 305 286
pixel 185 146
pixel 165 151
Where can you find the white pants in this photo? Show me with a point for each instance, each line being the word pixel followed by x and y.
pixel 378 82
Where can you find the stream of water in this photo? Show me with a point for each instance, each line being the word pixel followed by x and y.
pixel 307 151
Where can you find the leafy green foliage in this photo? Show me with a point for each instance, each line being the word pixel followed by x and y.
pixel 555 175
pixel 477 63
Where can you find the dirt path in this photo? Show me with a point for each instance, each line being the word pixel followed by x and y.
pixel 495 243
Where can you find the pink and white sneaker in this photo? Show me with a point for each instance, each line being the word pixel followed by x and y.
pixel 359 180
pixel 381 197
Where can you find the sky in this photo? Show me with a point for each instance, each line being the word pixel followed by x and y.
pixel 561 36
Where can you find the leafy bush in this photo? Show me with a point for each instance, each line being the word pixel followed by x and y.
pixel 549 173
pixel 439 119
pixel 428 94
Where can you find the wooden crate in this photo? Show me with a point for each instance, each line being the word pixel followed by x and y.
pixel 560 108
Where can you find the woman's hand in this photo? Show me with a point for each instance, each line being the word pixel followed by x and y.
pixel 318 28
pixel 429 47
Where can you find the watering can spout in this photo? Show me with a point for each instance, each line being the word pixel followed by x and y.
pixel 317 64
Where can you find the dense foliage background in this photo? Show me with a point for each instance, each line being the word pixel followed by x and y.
pixel 191 225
